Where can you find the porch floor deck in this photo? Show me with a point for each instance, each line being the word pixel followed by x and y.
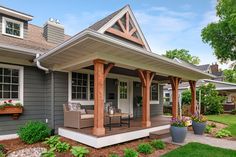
pixel 117 134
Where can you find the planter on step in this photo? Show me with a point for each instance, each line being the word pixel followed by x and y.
pixel 15 111
pixel 198 127
pixel 178 134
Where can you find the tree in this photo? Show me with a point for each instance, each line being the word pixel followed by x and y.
pixel 210 99
pixel 221 35
pixel 230 75
pixel 183 55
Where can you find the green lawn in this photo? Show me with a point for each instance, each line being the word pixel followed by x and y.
pixel 200 150
pixel 228 119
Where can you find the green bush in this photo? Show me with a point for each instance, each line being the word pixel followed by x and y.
pixel 233 112
pixel 2 154
pixel 113 155
pixel 158 144
pixel 208 129
pixel 49 153
pixel 34 131
pixel 79 151
pixel 145 148
pixel 130 153
pixel 52 141
pixel 62 146
pixel 223 133
pixel 2 148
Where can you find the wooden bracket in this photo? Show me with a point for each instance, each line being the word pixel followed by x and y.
pixel 107 70
pixel 174 81
pixel 142 77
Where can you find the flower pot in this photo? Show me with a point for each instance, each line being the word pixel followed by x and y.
pixel 15 111
pixel 178 134
pixel 198 127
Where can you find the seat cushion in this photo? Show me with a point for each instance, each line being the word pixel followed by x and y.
pixel 74 106
pixel 87 116
pixel 82 111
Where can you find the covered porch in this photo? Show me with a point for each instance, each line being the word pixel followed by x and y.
pixel 106 57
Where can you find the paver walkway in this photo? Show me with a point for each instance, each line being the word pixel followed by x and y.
pixel 191 137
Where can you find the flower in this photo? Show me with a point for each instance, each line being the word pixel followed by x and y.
pixel 180 121
pixel 10 101
pixel 199 118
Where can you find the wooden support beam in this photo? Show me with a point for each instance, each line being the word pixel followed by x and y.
pixel 193 96
pixel 175 94
pixel 98 129
pixel 146 78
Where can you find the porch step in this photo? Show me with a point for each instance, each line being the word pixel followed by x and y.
pixel 159 134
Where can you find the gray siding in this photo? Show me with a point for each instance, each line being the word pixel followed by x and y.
pixel 53 33
pixel 33 102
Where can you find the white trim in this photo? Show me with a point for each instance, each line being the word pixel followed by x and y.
pixel 21 81
pixel 26 17
pixel 221 82
pixel 99 142
pixel 8 137
pixel 5 19
pixel 120 15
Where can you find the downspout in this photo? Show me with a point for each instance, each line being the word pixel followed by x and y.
pixel 52 102
pixel 40 66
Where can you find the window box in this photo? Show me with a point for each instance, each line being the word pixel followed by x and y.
pixel 15 111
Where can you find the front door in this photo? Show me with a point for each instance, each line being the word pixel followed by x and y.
pixel 124 96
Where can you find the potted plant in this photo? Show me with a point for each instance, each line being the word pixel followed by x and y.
pixel 199 123
pixel 178 129
pixel 8 107
pixel 139 101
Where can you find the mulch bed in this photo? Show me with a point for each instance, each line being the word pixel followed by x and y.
pixel 16 144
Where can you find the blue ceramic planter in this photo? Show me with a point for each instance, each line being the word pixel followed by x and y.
pixel 198 128
pixel 178 134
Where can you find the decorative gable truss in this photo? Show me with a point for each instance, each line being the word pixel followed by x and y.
pixel 125 28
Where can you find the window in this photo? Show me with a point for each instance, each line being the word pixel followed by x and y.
pixel 167 97
pixel 10 83
pixel 82 86
pixel 12 27
pixel 154 91
pixel 123 90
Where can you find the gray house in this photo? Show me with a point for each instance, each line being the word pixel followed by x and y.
pixel 111 61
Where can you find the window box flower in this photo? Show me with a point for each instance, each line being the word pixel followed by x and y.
pixel 178 129
pixel 199 123
pixel 8 107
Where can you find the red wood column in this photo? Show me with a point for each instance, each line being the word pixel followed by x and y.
pixel 146 79
pixel 99 79
pixel 175 93
pixel 193 96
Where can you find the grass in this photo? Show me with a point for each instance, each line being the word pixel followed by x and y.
pixel 228 119
pixel 200 150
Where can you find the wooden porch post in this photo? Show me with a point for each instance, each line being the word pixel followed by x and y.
pixel 99 78
pixel 146 79
pixel 175 93
pixel 193 96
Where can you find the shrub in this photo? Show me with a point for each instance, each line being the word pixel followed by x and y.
pixel 52 141
pixel 49 153
pixel 34 131
pixel 78 151
pixel 2 154
pixel 223 133
pixel 2 148
pixel 233 112
pixel 130 153
pixel 62 146
pixel 208 129
pixel 145 148
pixel 158 144
pixel 114 155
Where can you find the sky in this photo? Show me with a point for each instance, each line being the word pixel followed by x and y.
pixel 166 24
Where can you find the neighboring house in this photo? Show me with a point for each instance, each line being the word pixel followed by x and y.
pixel 110 61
